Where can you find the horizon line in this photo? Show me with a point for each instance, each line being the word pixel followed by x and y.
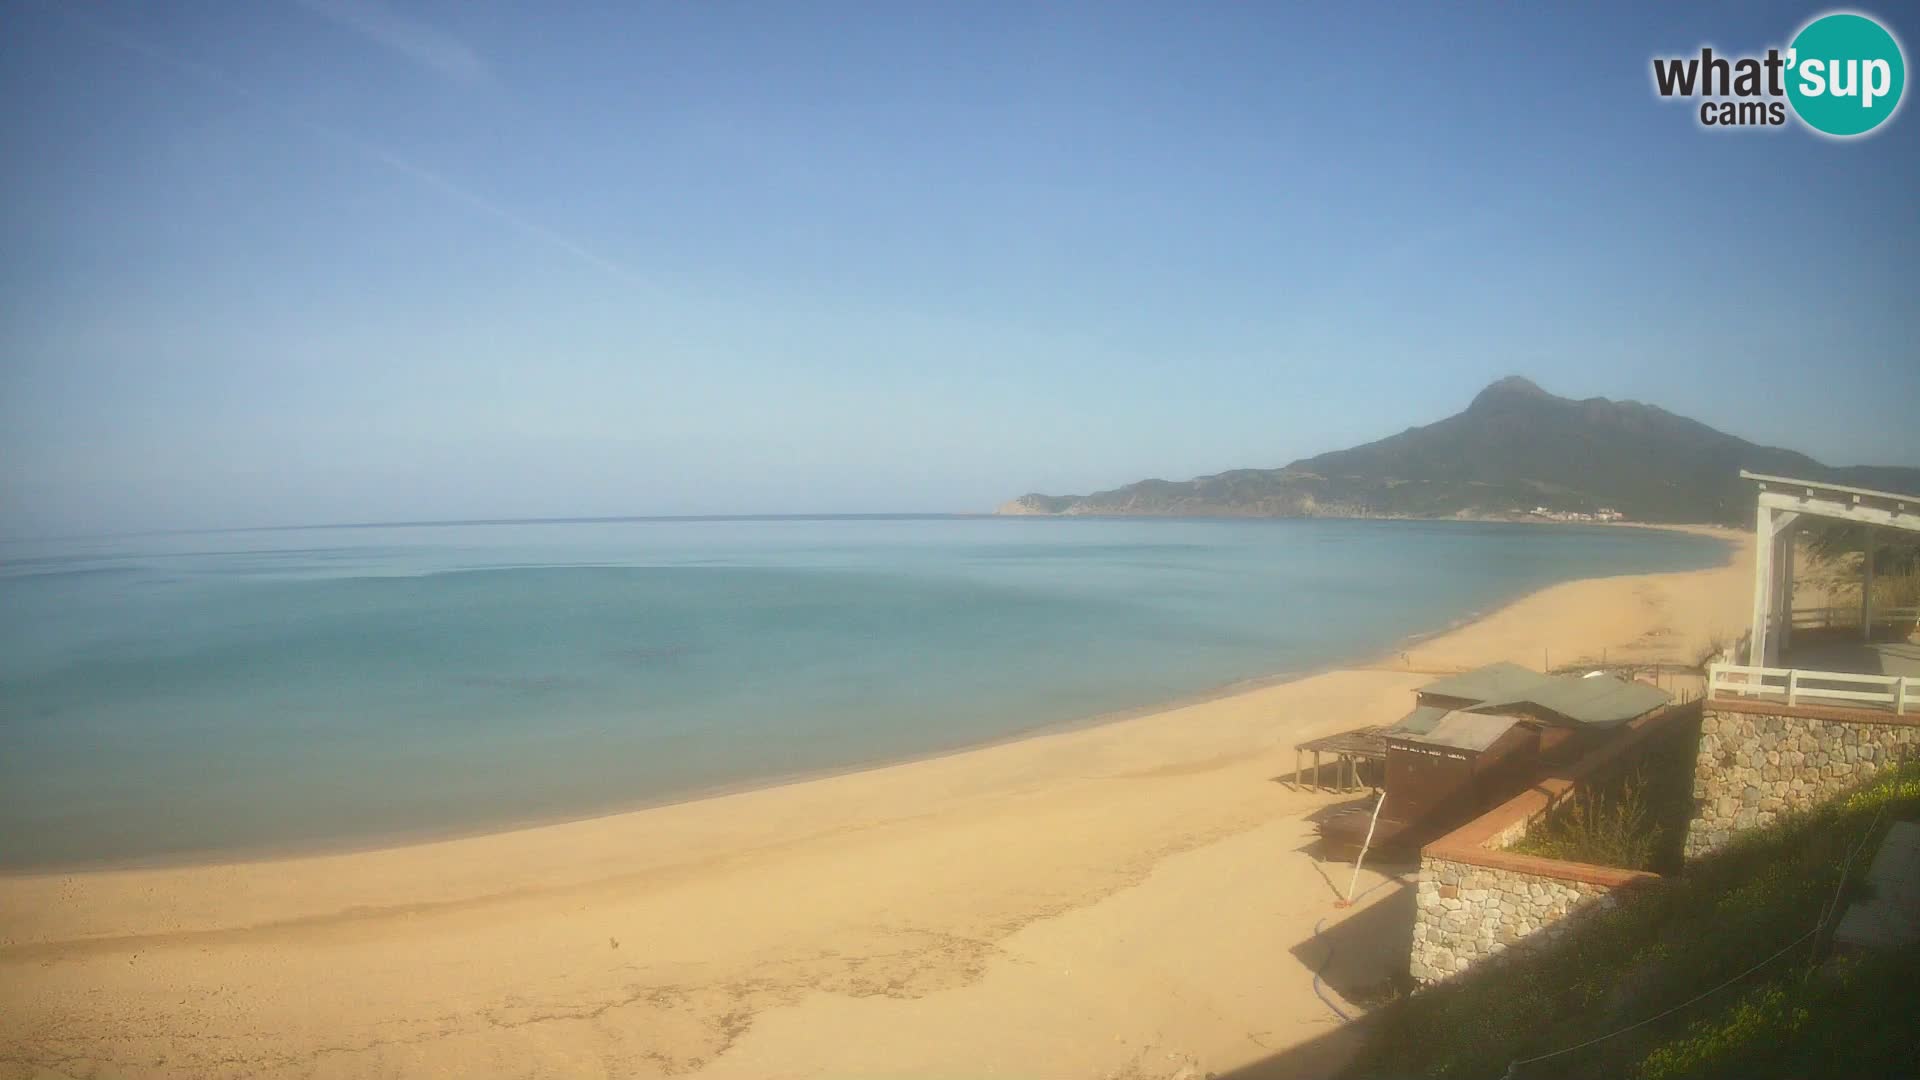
pixel 450 522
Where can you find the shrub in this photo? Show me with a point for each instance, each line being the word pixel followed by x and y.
pixel 1609 827
pixel 1638 821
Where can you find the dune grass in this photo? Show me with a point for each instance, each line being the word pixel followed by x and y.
pixel 1636 820
pixel 1611 826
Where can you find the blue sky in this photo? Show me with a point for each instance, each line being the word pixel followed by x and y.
pixel 288 262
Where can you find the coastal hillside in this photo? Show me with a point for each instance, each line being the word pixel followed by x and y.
pixel 1515 448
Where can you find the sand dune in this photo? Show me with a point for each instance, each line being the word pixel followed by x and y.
pixel 1130 899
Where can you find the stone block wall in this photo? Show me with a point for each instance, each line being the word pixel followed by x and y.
pixel 1757 761
pixel 1467 913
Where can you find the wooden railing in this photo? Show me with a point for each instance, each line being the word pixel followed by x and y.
pixel 1798 686
pixel 1813 618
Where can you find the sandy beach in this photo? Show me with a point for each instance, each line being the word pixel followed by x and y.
pixel 1125 900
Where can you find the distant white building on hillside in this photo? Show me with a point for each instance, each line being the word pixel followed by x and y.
pixel 1605 513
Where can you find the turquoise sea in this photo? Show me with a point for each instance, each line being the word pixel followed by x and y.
pixel 242 692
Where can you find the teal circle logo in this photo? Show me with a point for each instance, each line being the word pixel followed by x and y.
pixel 1845 73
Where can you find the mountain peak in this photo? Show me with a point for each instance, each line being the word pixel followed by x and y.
pixel 1512 386
pixel 1517 448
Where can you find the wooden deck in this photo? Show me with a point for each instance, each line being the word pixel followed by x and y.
pixel 1349 749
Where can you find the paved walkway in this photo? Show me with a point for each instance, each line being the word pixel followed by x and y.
pixel 1889 916
pixel 1860 657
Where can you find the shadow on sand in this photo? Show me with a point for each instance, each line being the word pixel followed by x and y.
pixel 1322 1056
pixel 1359 958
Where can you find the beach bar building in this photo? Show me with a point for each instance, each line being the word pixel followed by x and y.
pixel 1475 739
pixel 1448 765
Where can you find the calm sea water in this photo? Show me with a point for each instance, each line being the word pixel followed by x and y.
pixel 249 691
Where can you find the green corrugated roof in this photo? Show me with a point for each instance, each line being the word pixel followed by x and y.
pixel 1495 682
pixel 1466 731
pixel 1600 699
pixel 1418 722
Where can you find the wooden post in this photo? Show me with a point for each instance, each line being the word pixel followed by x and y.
pixel 1298 768
pixel 1866 590
pixel 1316 770
pixel 1353 772
pixel 1762 586
pixel 1786 589
pixel 1364 845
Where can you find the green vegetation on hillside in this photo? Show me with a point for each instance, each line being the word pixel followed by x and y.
pixel 1747 914
pixel 1516 447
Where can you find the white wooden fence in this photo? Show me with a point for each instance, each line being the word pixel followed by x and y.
pixel 1798 686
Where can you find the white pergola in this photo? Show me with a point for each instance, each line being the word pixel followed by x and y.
pixel 1784 505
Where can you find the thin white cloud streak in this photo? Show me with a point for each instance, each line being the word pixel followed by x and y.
pixel 482 205
pixel 425 46
pixel 464 196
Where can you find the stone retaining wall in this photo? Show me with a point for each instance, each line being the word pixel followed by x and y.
pixel 1466 913
pixel 1758 760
